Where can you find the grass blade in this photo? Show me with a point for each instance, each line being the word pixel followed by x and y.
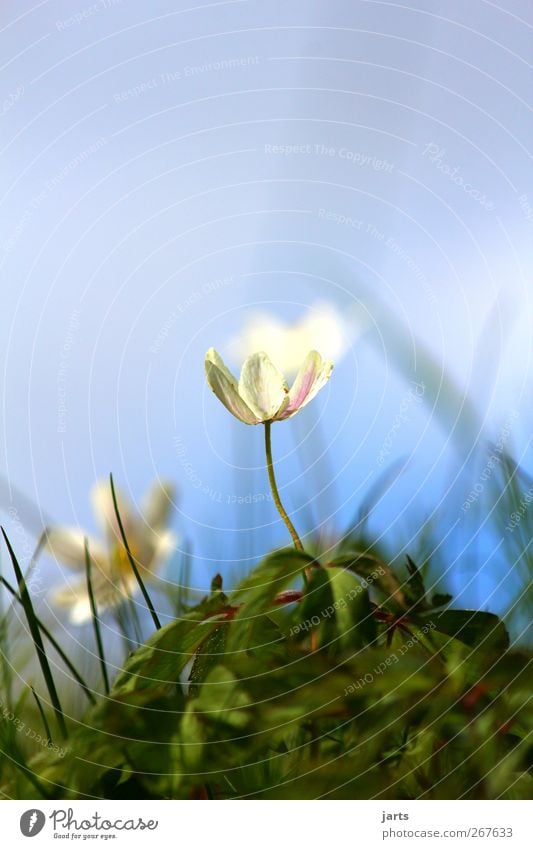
pixel 43 717
pixel 54 643
pixel 31 566
pixel 184 578
pixel 127 640
pixel 133 565
pixel 37 639
pixel 31 777
pixel 96 623
pixel 6 673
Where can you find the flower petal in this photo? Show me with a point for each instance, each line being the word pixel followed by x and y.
pixel 108 593
pixel 104 510
pixel 155 548
pixel 214 357
pixel 75 599
pixel 157 504
pixel 321 326
pixel 164 544
pixel 225 388
pixel 263 387
pixel 313 375
pixel 67 545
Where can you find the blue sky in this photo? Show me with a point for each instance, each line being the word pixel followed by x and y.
pixel 167 170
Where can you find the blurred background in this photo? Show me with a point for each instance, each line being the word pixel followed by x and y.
pixel 352 175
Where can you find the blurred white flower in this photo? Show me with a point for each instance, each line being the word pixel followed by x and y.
pixel 112 577
pixel 262 393
pixel 321 328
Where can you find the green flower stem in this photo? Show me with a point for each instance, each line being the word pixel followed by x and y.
pixel 275 492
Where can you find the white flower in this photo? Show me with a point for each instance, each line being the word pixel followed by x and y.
pixel 321 328
pixel 262 393
pixel 148 537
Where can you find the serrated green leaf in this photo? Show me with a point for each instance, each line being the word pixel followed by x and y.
pixel 157 665
pixel 207 656
pixel 276 572
pixel 255 596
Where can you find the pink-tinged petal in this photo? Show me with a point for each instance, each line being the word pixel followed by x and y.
pixel 263 387
pixel 225 388
pixel 214 357
pixel 313 375
pixel 67 545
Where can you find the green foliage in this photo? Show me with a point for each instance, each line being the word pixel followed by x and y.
pixel 310 679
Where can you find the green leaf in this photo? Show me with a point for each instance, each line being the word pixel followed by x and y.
pixel 207 656
pixel 223 698
pixel 473 627
pixel 337 607
pixel 414 588
pixel 155 668
pixel 354 618
pixel 311 613
pixel 441 599
pixel 276 572
pixel 255 596
pixel 375 572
